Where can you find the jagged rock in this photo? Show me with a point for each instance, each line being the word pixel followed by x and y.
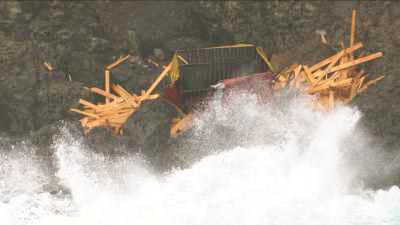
pixel 184 43
pixel 148 129
pixel 159 54
pixel 133 47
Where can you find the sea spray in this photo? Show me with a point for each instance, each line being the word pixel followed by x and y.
pixel 285 166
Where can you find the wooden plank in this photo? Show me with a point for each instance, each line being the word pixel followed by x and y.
pixel 342 83
pixel 308 74
pixel 48 66
pixel 125 95
pixel 117 62
pixel 95 123
pixel 315 89
pixel 354 89
pixel 88 104
pixel 150 97
pixel 264 57
pixel 84 113
pixel 357 61
pixel 107 121
pixel 329 83
pixel 156 82
pixel 353 31
pixel 328 60
pixel 361 82
pixel 101 92
pixel 319 75
pixel 118 91
pixel 369 83
pixel 183 60
pixel 124 91
pixel 115 112
pixel 84 121
pixel 293 82
pixel 107 84
pixel 297 78
pixel 183 124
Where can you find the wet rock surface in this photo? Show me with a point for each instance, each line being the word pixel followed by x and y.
pixel 80 38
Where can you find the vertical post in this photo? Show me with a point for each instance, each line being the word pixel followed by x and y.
pixel 353 31
pixel 107 84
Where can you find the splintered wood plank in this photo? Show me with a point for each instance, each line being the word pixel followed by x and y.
pixel 329 83
pixel 315 89
pixel 342 83
pixel 126 96
pixel 120 91
pixel 88 104
pixel 107 84
pixel 106 122
pixel 360 82
pixel 101 92
pixel 328 60
pixel 151 97
pixel 95 123
pixel 114 103
pixel 319 75
pixel 84 121
pixel 296 72
pixel 48 66
pixel 357 61
pixel 183 124
pixel 369 83
pixel 157 81
pixel 354 89
pixel 281 78
pixel 298 77
pixel 85 113
pixel 117 62
pixel 334 61
pixel 308 74
pixel 125 91
pixel 359 74
pixel 183 60
pixel 115 112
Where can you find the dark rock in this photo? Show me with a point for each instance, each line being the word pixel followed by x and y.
pixel 148 129
pixel 132 46
pixel 159 54
pixel 55 98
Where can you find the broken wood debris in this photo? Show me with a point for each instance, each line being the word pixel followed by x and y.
pixel 48 66
pixel 335 79
pixel 119 104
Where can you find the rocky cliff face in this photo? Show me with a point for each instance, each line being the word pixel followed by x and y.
pixel 80 38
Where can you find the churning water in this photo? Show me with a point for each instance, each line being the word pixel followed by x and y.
pixel 286 167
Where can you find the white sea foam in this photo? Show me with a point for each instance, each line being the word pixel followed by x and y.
pixel 286 167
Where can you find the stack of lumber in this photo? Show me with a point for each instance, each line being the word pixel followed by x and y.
pixel 118 106
pixel 335 79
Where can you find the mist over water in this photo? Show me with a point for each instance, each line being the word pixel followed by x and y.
pixel 276 163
